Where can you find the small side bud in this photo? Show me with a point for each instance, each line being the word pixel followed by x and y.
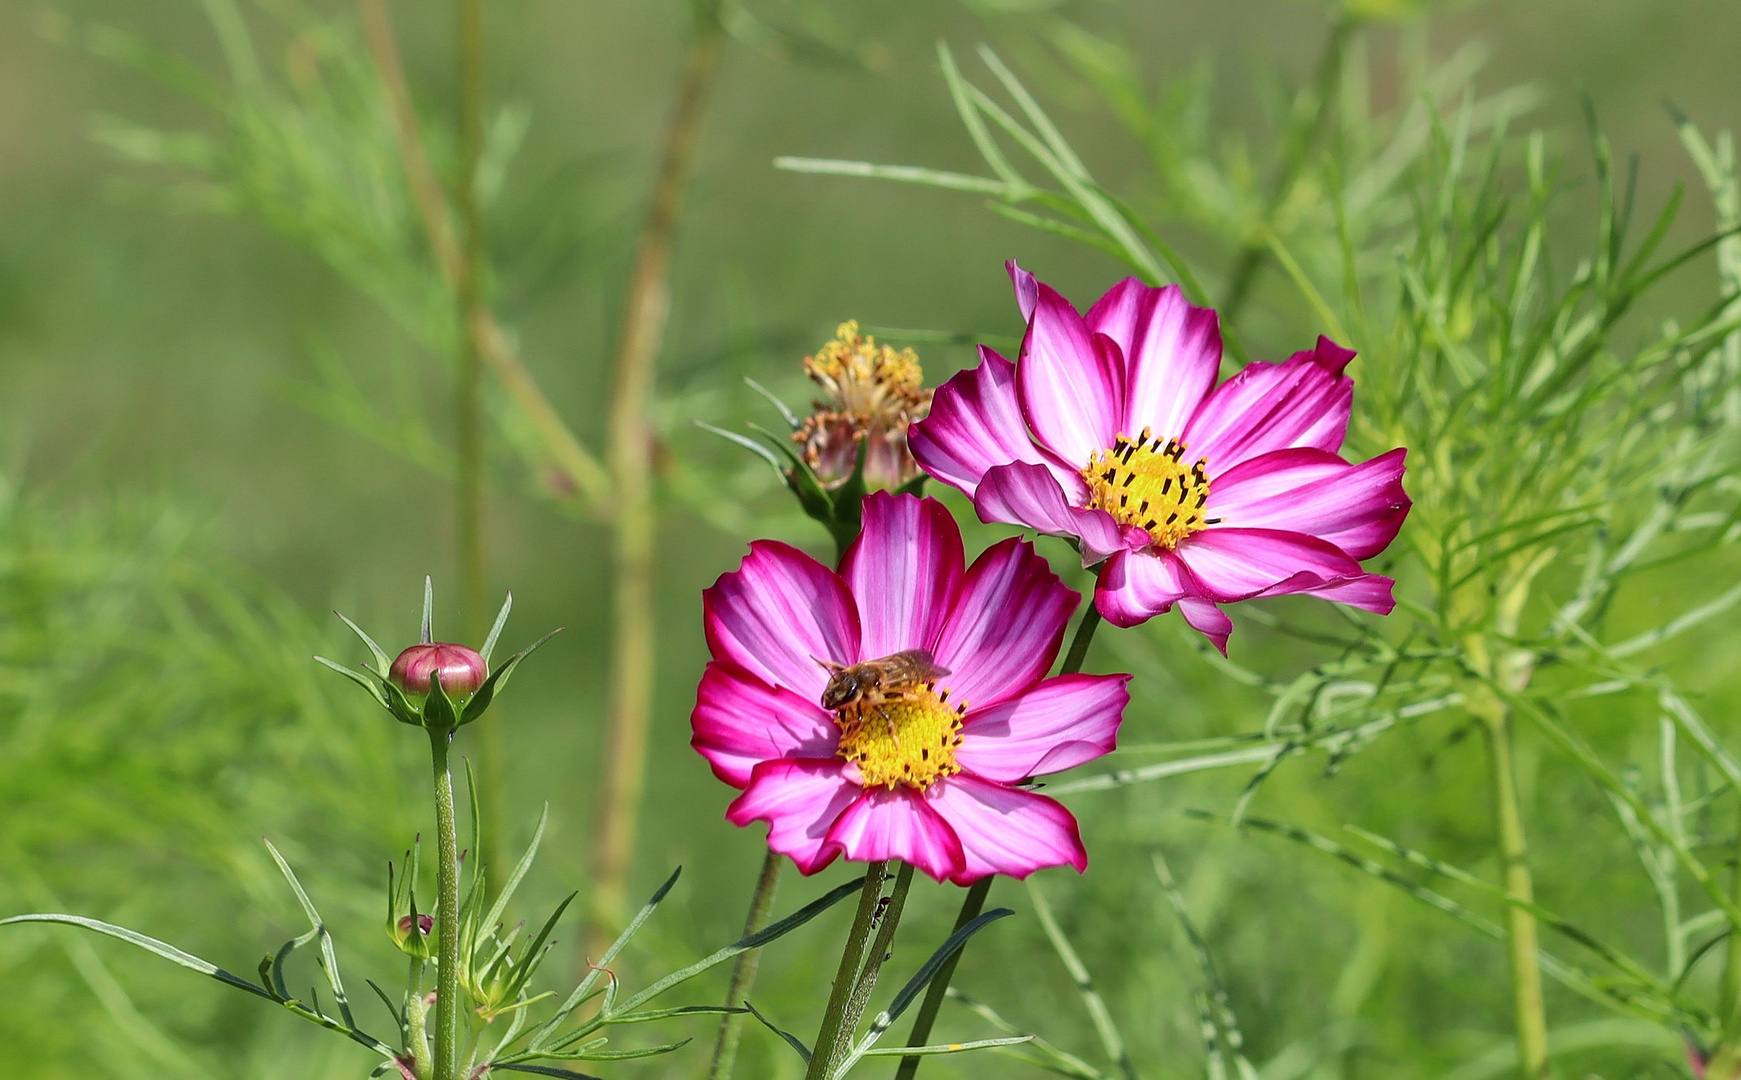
pixel 462 669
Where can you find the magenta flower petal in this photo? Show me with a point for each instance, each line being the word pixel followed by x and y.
pixel 1070 381
pixel 1302 402
pixel 1057 725
pixel 904 571
pixel 898 823
pixel 1238 564
pixel 1027 289
pixel 1023 494
pixel 778 614
pixel 976 424
pixel 1359 508
pixel 1134 586
pixel 1006 831
pixel 1172 353
pixel 1208 620
pixel 1369 592
pixel 800 799
pixel 989 654
pixel 740 722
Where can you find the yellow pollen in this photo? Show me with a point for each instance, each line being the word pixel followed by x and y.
pixel 1145 482
pixel 905 740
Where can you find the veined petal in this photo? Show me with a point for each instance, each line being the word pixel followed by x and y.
pixel 976 424
pixel 800 799
pixel 1027 289
pixel 1135 586
pixel 1358 508
pixel 1208 620
pixel 1069 380
pixel 1172 353
pixel 740 721
pixel 898 823
pixel 1057 725
pixel 1006 831
pixel 1006 627
pixel 1369 592
pixel 1238 564
pixel 778 614
pixel 904 571
pixel 1029 495
pixel 1302 402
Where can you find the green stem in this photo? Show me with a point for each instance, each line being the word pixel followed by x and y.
pixel 1304 134
pixel 873 966
pixel 743 972
pixel 974 901
pixel 1521 940
pixel 971 905
pixel 631 442
pixel 1725 1063
pixel 446 915
pixel 858 941
pixel 469 423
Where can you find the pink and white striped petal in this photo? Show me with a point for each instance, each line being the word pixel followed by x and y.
pixel 800 799
pixel 1028 495
pixel 1135 586
pixel 1057 725
pixel 1007 625
pixel 1238 564
pixel 1369 592
pixel 904 571
pixel 1302 402
pixel 1358 508
pixel 1070 381
pixel 778 614
pixel 1172 353
pixel 976 424
pixel 740 721
pixel 1006 831
pixel 898 823
pixel 1208 620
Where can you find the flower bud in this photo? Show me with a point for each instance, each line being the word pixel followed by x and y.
pixel 462 669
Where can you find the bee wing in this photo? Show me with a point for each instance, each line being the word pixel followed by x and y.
pixel 919 665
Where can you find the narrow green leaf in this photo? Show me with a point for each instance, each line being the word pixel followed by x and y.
pixel 359 678
pixel 382 663
pixel 499 678
pixel 790 1039
pixel 496 628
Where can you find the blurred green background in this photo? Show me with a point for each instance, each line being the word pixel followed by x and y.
pixel 179 513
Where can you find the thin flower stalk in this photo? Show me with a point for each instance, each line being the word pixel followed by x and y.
pixel 634 517
pixel 974 901
pixel 447 1014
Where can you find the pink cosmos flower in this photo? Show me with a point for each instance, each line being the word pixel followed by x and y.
pixel 931 776
pixel 1110 429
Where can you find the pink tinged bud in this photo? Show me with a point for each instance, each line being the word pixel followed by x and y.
pixel 425 925
pixel 1696 1061
pixel 462 669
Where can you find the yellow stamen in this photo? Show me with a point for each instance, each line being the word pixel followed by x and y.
pixel 1145 482
pixel 908 740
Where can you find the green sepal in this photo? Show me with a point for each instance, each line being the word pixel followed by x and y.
pixel 381 662
pixel 496 629
pixel 438 710
pixel 401 706
pixel 915 486
pixel 362 680
pixel 497 679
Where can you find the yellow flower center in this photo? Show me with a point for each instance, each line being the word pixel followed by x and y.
pixel 909 739
pixel 1145 482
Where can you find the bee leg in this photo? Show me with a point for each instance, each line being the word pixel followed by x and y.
pixel 890 721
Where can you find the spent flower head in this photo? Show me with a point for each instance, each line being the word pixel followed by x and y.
pixel 871 394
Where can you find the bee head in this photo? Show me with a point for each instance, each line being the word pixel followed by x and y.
pixel 842 690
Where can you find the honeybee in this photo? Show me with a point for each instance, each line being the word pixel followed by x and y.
pixel 868 685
